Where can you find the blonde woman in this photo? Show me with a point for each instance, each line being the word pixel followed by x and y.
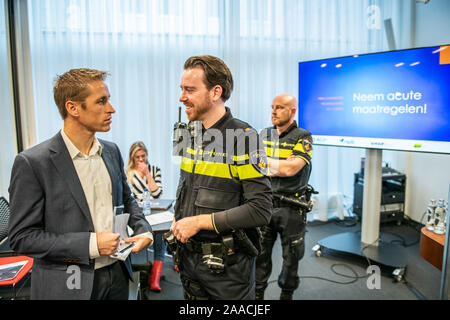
pixel 141 175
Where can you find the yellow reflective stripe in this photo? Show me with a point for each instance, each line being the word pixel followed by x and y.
pixel 234 171
pixel 187 164
pixel 278 153
pixel 194 152
pixel 299 147
pixel 212 169
pixel 306 160
pixel 213 222
pixel 241 158
pixel 270 143
pixel 285 144
pixel 309 153
pixel 269 151
pixel 211 153
pixel 220 170
pixel 190 150
pixel 247 171
pixel 284 153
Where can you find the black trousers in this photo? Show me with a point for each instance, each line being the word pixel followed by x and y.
pixel 111 283
pixel 287 222
pixel 237 282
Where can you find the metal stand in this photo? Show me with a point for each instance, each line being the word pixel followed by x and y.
pixel 368 246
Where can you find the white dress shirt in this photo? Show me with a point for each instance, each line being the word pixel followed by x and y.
pixel 97 188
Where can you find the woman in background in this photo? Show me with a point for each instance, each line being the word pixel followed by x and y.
pixel 141 175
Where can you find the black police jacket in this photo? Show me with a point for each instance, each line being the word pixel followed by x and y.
pixel 224 173
pixel 295 141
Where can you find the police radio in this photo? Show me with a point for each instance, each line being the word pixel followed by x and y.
pixel 178 129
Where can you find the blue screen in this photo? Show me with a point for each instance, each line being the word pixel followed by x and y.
pixel 389 100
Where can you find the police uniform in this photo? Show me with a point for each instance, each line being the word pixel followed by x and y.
pixel 228 181
pixel 288 220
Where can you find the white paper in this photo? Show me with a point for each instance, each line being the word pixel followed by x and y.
pixel 120 227
pixel 158 218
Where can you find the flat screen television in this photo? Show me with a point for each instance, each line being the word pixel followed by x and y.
pixel 396 100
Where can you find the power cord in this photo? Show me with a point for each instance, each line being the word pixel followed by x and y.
pixel 347 223
pixel 354 278
pixel 414 290
pixel 402 240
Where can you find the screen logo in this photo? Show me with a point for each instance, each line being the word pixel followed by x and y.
pixel 347 141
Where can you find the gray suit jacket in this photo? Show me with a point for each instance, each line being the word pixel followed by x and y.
pixel 50 219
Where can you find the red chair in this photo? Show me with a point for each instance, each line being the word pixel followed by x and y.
pixel 9 260
pixel 12 278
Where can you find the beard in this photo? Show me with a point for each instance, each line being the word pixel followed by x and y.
pixel 196 112
pixel 280 122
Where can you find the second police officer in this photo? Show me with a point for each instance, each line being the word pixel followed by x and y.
pixel 288 149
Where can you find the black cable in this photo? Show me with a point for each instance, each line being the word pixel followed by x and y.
pixel 367 246
pixel 414 290
pixel 347 223
pixel 355 277
pixel 403 241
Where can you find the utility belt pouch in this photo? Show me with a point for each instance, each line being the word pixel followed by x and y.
pixel 229 248
pixel 173 246
pixel 244 243
pixel 213 257
pixel 302 215
pixel 171 241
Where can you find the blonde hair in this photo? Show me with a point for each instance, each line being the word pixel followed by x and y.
pixel 135 147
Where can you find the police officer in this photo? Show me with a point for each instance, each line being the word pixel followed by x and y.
pixel 288 149
pixel 224 192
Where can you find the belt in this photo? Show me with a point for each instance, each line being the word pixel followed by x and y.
pixel 193 246
pixel 197 246
pixel 213 254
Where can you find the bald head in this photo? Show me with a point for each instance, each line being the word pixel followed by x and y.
pixel 284 108
pixel 287 100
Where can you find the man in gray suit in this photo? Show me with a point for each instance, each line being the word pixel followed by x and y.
pixel 62 195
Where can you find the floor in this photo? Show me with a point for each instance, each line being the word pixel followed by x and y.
pixel 332 276
pixel 339 276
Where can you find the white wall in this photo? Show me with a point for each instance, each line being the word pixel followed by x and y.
pixel 428 175
pixel 432 23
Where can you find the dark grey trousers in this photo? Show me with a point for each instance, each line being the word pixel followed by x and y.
pixel 289 224
pixel 237 282
pixel 110 283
